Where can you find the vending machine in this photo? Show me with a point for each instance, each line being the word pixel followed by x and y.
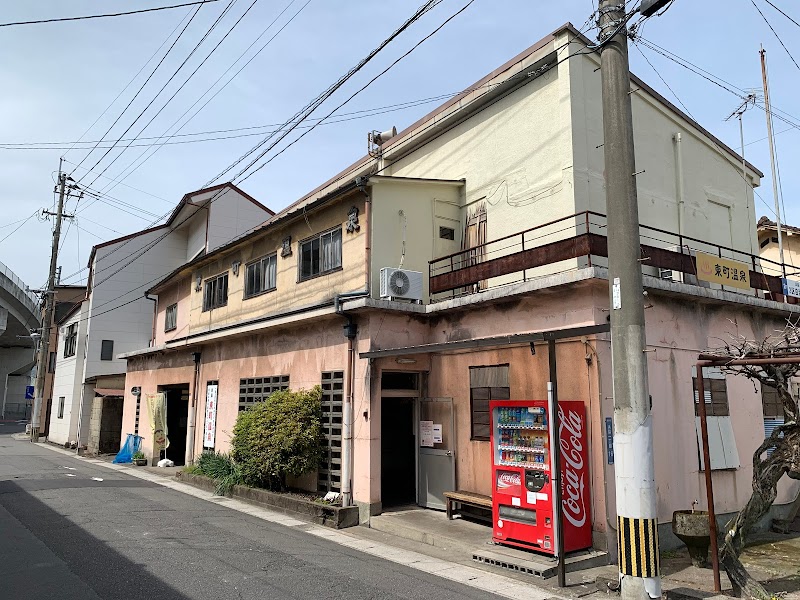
pixel 522 496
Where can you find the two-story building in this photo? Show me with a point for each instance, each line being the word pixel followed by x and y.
pixel 116 316
pixel 492 210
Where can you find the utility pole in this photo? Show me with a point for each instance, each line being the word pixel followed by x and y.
pixel 739 113
pixel 49 300
pixel 637 512
pixel 768 111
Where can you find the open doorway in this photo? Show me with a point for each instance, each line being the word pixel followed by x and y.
pixel 177 397
pixel 398 452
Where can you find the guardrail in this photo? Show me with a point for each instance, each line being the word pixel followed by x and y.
pixel 29 299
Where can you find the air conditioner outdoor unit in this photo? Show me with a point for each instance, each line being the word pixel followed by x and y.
pixel 399 284
pixel 676 276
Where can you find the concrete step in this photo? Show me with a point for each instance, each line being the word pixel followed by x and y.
pixel 539 565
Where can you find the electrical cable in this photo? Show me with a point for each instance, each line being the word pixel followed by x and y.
pixel 133 166
pixel 139 72
pixel 783 13
pixel 120 14
pixel 139 91
pixel 174 74
pixel 182 85
pixel 763 16
pixel 18 227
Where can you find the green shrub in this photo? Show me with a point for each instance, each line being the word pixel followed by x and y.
pixel 221 468
pixel 278 437
pixel 138 455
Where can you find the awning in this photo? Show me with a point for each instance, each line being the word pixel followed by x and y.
pixel 109 392
pixel 490 342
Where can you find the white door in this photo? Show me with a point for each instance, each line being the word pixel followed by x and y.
pixel 436 443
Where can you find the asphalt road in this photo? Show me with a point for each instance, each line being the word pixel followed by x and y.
pixel 64 535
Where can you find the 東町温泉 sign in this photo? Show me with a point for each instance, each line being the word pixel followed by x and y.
pixel 724 271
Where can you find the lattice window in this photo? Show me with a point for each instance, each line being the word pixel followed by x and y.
pixel 258 389
pixel 330 471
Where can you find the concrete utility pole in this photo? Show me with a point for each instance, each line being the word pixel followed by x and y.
pixel 768 111
pixel 49 300
pixel 637 524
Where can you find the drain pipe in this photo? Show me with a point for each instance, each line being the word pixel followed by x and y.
pixel 193 408
pixel 155 317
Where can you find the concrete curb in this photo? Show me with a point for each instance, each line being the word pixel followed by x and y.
pixel 469 576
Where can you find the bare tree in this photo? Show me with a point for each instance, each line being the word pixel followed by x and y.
pixel 768 468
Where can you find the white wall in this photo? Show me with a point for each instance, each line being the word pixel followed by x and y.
pixel 129 326
pixel 230 215
pixel 68 380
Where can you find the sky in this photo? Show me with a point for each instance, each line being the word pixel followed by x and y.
pixel 67 81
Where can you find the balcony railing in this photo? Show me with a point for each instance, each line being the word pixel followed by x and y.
pixel 539 250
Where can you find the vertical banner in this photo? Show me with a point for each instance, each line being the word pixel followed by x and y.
pixel 210 428
pixel 157 406
pixel 575 496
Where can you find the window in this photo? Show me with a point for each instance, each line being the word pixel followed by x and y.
pixel 485 384
pixel 215 293
pixel 258 389
pixel 51 363
pixel 171 317
pixel 107 350
pixel 322 254
pixel 61 407
pixel 766 241
pixel 447 233
pixel 261 276
pixel 721 441
pixel 329 477
pixel 71 340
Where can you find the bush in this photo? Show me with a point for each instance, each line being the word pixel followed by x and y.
pixel 221 468
pixel 279 437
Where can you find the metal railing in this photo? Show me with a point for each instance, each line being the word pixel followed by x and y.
pixel 538 251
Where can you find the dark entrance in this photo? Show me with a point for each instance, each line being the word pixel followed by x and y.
pixel 398 452
pixel 177 421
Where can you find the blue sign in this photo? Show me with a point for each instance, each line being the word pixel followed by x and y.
pixel 610 440
pixel 791 288
pixel 29 392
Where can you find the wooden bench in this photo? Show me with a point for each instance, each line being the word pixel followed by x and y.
pixel 461 498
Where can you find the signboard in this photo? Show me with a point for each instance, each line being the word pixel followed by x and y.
pixel 210 428
pixel 724 271
pixel 437 433
pixel 29 394
pixel 791 288
pixel 426 434
pixel 610 440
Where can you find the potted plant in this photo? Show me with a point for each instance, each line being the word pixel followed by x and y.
pixel 139 459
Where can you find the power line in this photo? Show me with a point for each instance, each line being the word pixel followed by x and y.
pixel 19 227
pixel 149 60
pixel 139 91
pixel 174 74
pixel 783 13
pixel 182 85
pixel 120 14
pixel 763 16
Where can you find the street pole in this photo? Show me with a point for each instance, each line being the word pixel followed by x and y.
pixel 49 304
pixel 768 112
pixel 637 522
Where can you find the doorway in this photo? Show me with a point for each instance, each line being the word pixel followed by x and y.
pixel 177 398
pixel 398 452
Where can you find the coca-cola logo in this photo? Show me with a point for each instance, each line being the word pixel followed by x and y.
pixel 570 435
pixel 508 479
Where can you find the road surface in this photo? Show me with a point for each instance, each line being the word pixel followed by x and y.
pixel 68 536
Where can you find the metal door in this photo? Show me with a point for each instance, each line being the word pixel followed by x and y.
pixel 437 461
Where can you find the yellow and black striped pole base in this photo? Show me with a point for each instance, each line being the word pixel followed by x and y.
pixel 638 547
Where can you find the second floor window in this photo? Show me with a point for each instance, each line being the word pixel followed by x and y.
pixel 71 340
pixel 215 292
pixel 321 254
pixel 261 276
pixel 171 317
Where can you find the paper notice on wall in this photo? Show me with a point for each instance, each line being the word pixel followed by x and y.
pixel 437 433
pixel 426 434
pixel 210 427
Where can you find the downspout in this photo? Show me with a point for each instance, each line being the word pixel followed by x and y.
pixel 193 408
pixel 678 143
pixel 351 332
pixel 155 317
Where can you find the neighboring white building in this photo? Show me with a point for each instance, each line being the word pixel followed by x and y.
pixel 67 386
pixel 117 317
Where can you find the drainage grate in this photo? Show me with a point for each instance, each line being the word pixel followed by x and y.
pixel 486 560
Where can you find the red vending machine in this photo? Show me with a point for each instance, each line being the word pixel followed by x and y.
pixel 522 497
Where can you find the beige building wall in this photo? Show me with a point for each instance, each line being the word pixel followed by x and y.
pixel 769 249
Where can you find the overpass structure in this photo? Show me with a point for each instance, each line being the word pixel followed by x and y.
pixel 19 315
